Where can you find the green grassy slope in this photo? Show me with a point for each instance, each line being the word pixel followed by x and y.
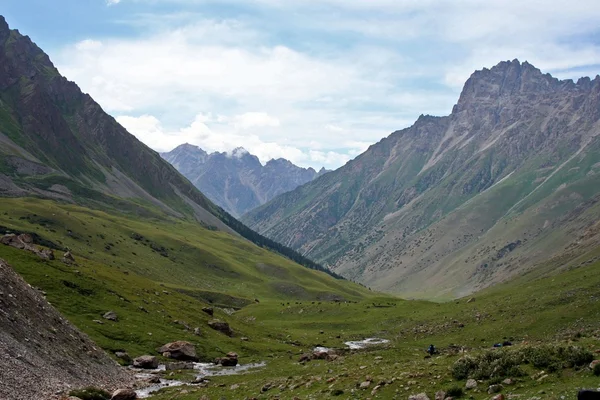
pixel 169 267
pixel 557 311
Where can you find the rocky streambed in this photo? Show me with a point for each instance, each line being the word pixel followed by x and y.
pixel 202 371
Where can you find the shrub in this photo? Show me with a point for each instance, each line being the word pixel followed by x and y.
pixel 455 392
pixel 90 393
pixel 506 363
pixel 596 370
pixel 463 367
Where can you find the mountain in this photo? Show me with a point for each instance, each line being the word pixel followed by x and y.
pixel 457 203
pixel 58 143
pixel 237 181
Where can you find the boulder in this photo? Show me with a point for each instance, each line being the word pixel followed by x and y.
pixel 471 384
pixel 365 384
pixel 121 355
pixel 68 258
pixel 420 396
pixel 494 389
pixel 180 350
pixel 146 362
pixel 498 397
pixel 220 326
pixel 111 316
pixel 508 382
pixel 230 360
pixel 46 254
pixel 440 395
pixel 124 394
pixel 209 310
pixel 594 363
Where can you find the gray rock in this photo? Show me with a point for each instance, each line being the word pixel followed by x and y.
pixel 420 396
pixel 124 394
pixel 180 350
pixel 365 385
pixel 123 356
pixel 471 384
pixel 111 316
pixel 220 326
pixel 494 389
pixel 146 362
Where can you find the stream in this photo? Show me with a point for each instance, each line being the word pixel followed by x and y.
pixel 203 370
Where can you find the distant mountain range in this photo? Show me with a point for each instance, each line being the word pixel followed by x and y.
pixel 237 181
pixel 453 204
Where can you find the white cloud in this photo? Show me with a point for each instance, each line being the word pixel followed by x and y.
pixel 112 2
pixel 213 134
pixel 352 72
pixel 255 119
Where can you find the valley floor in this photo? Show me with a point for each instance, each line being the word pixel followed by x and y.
pixel 159 299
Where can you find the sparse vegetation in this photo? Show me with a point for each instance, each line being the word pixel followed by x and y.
pixel 90 393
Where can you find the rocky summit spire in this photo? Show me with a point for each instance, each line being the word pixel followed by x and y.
pixel 505 79
pixel 4 29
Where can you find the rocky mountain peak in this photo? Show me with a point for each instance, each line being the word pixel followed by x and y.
pixel 189 148
pixel 4 29
pixel 239 152
pixel 503 80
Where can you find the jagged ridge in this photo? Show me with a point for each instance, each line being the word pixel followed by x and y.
pixel 422 211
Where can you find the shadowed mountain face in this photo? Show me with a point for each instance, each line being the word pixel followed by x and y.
pixel 453 204
pixel 56 142
pixel 238 182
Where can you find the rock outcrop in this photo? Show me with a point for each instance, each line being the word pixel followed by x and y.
pixel 41 353
pixel 24 241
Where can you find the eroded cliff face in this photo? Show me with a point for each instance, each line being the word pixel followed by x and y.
pixel 426 209
pixel 43 355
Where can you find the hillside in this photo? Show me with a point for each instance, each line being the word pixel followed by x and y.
pixel 42 352
pixel 237 181
pixel 454 204
pixel 58 143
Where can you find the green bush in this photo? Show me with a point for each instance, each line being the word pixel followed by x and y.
pixel 596 370
pixel 455 392
pixel 463 367
pixel 90 393
pixel 505 363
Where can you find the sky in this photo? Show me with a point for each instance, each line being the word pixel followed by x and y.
pixel 312 81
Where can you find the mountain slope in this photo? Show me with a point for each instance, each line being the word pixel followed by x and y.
pixel 58 143
pixel 43 354
pixel 238 182
pixel 453 204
